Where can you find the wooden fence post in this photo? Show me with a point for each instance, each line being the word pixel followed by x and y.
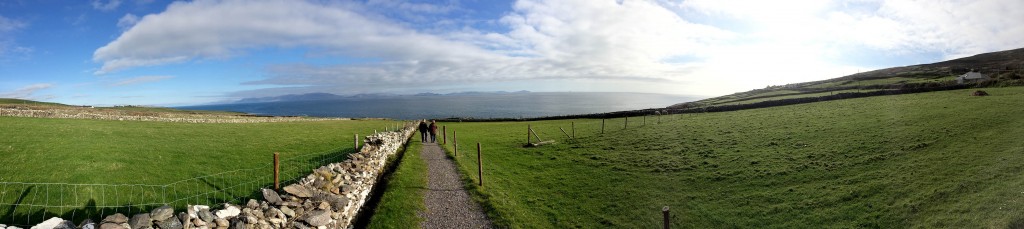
pixel 563 132
pixel 355 142
pixel 624 126
pixel 602 126
pixel 573 129
pixel 479 165
pixel 664 214
pixel 277 172
pixel 444 135
pixel 455 142
pixel 528 130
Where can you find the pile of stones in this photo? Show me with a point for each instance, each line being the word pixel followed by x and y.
pixel 330 197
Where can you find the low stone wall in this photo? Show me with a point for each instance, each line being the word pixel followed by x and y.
pixel 109 114
pixel 330 197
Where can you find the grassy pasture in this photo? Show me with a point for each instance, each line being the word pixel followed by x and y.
pixel 222 156
pixel 939 159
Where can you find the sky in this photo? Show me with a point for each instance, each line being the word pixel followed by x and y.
pixel 170 53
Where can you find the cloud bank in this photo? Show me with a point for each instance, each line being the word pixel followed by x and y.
pixel 26 92
pixel 698 46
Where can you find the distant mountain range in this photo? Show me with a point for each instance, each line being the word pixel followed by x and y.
pixel 329 96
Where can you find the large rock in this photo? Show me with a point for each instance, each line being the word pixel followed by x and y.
pixel 252 204
pixel 287 211
pixel 298 190
pixel 222 222
pixel 116 218
pixel 318 218
pixel 162 213
pixel 238 224
pixel 55 223
pixel 140 221
pixel 205 215
pixel 228 211
pixel 170 223
pixel 112 226
pixel 271 196
pixel 87 224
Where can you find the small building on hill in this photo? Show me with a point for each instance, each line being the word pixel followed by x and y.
pixel 971 77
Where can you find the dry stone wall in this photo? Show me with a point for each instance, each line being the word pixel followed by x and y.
pixel 111 114
pixel 330 197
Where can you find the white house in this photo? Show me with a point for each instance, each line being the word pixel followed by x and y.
pixel 971 77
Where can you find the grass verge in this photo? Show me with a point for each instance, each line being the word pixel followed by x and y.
pixel 402 200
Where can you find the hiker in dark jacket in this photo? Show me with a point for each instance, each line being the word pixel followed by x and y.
pixel 423 131
pixel 433 131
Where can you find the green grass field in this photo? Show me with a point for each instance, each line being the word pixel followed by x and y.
pixel 939 159
pixel 227 161
pixel 403 198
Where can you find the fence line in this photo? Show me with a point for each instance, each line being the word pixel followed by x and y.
pixel 26 203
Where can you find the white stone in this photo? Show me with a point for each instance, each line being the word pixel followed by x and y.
pixel 195 209
pixel 49 224
pixel 228 212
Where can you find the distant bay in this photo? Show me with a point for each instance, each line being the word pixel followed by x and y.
pixel 483 105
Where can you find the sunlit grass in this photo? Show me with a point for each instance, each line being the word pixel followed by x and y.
pixel 939 159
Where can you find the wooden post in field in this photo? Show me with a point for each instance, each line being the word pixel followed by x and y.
pixel 355 142
pixel 479 165
pixel 528 130
pixel 444 135
pixel 573 129
pixel 277 172
pixel 602 126
pixel 455 143
pixel 624 126
pixel 664 215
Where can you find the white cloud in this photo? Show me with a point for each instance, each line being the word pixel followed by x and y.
pixel 218 29
pixel 702 47
pixel 140 80
pixel 127 21
pixel 8 47
pixel 8 25
pixel 26 92
pixel 107 6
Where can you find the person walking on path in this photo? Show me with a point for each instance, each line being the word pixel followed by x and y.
pixel 423 131
pixel 433 131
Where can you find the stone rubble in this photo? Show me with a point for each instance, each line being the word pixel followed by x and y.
pixel 330 197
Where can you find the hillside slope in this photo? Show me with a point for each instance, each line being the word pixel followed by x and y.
pixel 1006 66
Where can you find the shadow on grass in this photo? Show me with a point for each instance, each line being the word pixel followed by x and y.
pixel 22 214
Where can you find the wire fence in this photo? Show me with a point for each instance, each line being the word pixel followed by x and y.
pixel 24 204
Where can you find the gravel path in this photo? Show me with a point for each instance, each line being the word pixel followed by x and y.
pixel 448 204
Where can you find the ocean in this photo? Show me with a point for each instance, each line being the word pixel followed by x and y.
pixel 485 105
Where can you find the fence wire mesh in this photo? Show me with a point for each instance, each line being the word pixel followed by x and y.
pixel 25 203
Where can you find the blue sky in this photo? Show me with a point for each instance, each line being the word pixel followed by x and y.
pixel 152 52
